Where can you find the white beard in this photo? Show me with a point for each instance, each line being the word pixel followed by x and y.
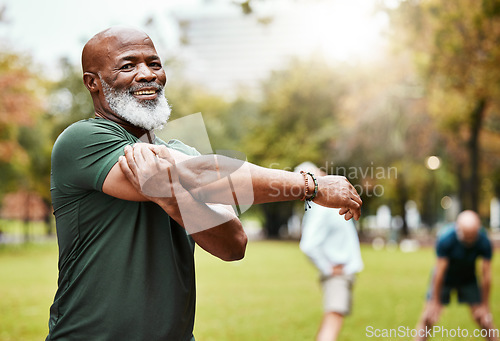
pixel 150 114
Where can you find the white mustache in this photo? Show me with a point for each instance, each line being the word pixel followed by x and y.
pixel 146 85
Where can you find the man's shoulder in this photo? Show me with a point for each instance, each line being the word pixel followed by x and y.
pixel 447 238
pixel 89 125
pixel 448 233
pixel 85 130
pixel 484 242
pixel 181 147
pixel 483 235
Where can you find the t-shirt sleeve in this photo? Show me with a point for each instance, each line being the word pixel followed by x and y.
pixel 84 154
pixel 442 248
pixel 180 146
pixel 486 248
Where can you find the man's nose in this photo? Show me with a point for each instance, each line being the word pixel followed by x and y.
pixel 145 74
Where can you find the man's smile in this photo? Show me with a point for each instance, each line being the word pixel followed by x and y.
pixel 145 93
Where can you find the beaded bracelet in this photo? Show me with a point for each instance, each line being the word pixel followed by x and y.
pixel 306 192
pixel 305 198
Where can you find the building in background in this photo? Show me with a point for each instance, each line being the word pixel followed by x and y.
pixel 227 51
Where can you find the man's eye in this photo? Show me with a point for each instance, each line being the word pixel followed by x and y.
pixel 155 64
pixel 126 66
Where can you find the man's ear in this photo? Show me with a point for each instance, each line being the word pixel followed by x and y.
pixel 91 81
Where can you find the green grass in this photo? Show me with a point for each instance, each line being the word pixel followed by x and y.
pixel 272 294
pixel 28 280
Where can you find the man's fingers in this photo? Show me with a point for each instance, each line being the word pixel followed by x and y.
pixel 162 152
pixel 148 154
pixel 124 165
pixel 355 196
pixel 129 156
pixel 356 203
pixel 353 205
pixel 356 213
pixel 131 162
pixel 139 153
pixel 353 192
pixel 348 215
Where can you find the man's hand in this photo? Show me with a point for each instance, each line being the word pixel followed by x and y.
pixel 152 176
pixel 338 270
pixel 337 192
pixel 433 311
pixel 482 314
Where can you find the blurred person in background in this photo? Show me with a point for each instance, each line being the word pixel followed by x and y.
pixel 458 248
pixel 332 244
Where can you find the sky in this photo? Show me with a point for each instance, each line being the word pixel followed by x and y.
pixel 51 29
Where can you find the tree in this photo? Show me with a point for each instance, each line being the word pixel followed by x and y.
pixel 296 122
pixel 386 137
pixel 69 100
pixel 24 142
pixel 455 44
pixel 20 103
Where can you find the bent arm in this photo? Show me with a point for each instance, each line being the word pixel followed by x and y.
pixel 434 306
pixel 437 284
pixel 117 185
pixel 215 228
pixel 486 282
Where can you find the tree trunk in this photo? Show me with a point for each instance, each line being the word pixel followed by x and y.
pixel 276 215
pixel 26 220
pixel 462 184
pixel 402 191
pixel 473 147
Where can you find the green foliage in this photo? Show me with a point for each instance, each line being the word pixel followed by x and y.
pixel 27 130
pixel 384 115
pixel 34 112
pixel 297 119
pixel 21 93
pixel 456 49
pixel 69 100
pixel 225 120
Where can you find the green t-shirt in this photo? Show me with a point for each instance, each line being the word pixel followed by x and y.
pixel 126 270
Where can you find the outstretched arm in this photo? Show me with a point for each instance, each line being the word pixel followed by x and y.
pixel 220 179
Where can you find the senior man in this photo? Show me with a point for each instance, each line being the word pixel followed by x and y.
pixel 129 214
pixel 457 249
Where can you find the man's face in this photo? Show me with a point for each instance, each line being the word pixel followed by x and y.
pixel 133 80
pixel 467 236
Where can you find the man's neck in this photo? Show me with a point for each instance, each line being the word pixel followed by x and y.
pixel 138 132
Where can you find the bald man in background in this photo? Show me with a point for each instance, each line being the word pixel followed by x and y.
pixel 457 251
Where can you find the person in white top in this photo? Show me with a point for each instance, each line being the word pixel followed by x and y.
pixel 332 244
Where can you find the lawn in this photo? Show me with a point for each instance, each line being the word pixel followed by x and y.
pixel 272 294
